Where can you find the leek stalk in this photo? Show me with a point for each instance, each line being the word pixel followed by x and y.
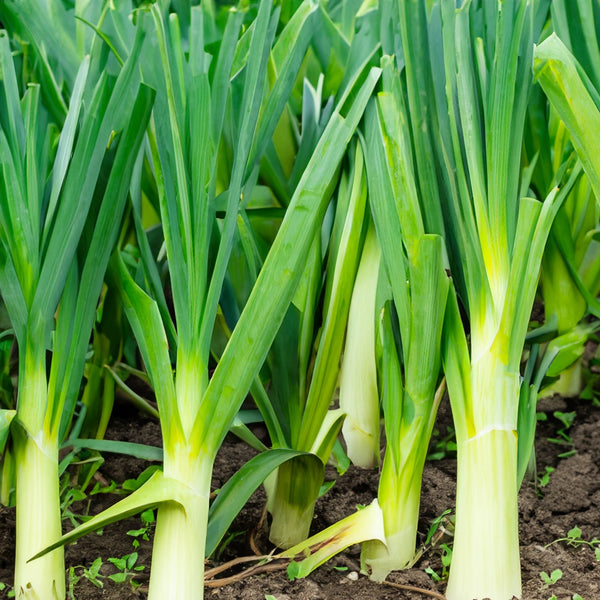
pixel 481 80
pixel 39 272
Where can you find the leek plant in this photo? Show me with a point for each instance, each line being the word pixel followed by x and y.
pixel 302 397
pixel 47 195
pixel 410 360
pixel 409 344
pixel 570 279
pixel 571 268
pixel 184 139
pixel 303 365
pixel 480 71
pixel 419 287
pixel 304 381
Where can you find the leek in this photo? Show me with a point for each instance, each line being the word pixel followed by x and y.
pixel 359 394
pixel 311 425
pixel 419 285
pixel 481 72
pixel 571 268
pixel 38 243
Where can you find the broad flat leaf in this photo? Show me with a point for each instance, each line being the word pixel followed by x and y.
pixel 145 320
pixel 279 276
pixel 569 91
pixel 236 492
pixel 141 451
pixel 155 491
pixel 329 351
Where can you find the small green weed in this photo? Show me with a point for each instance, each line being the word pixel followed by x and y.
pixel 550 579
pixel 544 480
pixel 4 587
pixel 126 566
pixel 127 569
pixel 446 560
pixel 440 526
pixel 143 532
pixel 92 574
pixel 445 446
pixel 563 438
pixel 592 379
pixel 575 540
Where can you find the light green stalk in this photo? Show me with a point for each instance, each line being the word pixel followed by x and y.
pixel 476 82
pixel 359 397
pixel 414 265
pixel 41 221
pixel 38 516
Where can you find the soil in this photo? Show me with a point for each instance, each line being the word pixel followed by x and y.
pixel 570 499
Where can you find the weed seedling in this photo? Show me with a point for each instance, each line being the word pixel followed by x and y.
pixel 92 574
pixel 143 532
pixel 544 479
pixel 550 579
pixel 446 560
pixel 10 593
pixel 592 378
pixel 439 527
pixel 127 569
pixel 444 447
pixel 574 539
pixel 563 438
pixel 69 495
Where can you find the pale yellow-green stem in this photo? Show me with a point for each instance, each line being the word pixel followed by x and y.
pixel 191 383
pixel 569 383
pixel 38 521
pixel 359 396
pixel 486 540
pixel 485 556
pixel 293 503
pixel 177 570
pixel 38 517
pixel 399 496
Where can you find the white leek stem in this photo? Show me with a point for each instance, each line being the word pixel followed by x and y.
pixel 485 558
pixel 38 521
pixel 177 571
pixel 399 498
pixel 359 397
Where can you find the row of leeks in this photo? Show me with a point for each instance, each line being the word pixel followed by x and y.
pixel 200 204
pixel 353 290
pixel 470 131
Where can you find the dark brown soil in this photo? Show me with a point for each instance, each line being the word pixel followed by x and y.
pixel 571 498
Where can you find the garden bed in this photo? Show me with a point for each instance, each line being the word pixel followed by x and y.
pixel 571 498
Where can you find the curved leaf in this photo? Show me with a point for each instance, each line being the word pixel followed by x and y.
pixel 156 490
pixel 235 493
